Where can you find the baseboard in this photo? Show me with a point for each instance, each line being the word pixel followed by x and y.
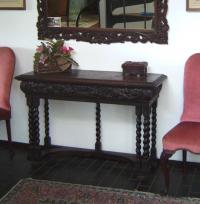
pixel 73 149
pixel 22 145
pixel 14 144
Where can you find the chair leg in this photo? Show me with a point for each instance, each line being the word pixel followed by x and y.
pixel 184 160
pixel 9 137
pixel 165 168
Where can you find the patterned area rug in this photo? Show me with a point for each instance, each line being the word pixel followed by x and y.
pixel 30 191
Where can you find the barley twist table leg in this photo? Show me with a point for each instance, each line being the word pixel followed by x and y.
pixel 138 132
pixel 98 127
pixel 146 136
pixel 34 135
pixel 47 139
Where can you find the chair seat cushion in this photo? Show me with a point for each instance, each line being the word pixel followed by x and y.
pixel 184 136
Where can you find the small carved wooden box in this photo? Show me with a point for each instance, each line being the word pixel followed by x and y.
pixel 138 69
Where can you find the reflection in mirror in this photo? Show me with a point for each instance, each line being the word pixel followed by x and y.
pixel 103 21
pixel 119 14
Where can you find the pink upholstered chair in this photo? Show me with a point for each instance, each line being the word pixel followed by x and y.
pixel 7 64
pixel 185 136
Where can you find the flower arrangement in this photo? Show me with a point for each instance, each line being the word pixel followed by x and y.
pixel 53 56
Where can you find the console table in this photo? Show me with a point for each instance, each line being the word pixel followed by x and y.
pixel 98 87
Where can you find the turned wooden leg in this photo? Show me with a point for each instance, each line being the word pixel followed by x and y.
pixel 47 139
pixel 184 160
pixel 138 133
pixel 153 131
pixel 8 128
pixel 34 135
pixel 98 127
pixel 165 168
pixel 146 135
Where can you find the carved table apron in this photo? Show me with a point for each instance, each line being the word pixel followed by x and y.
pixel 98 87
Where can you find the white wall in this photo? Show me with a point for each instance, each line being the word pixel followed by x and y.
pixel 72 123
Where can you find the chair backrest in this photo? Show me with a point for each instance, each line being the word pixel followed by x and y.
pixel 191 109
pixel 58 8
pixel 123 17
pixel 7 64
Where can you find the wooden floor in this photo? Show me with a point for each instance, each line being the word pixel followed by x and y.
pixel 97 172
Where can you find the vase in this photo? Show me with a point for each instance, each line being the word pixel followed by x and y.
pixel 63 64
pixel 59 65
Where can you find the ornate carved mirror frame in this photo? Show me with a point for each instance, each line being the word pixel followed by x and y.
pixel 95 35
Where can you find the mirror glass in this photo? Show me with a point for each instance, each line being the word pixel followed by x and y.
pixel 116 14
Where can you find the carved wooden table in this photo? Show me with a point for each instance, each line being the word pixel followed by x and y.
pixel 98 87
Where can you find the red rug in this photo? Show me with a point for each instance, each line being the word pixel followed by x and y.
pixel 30 191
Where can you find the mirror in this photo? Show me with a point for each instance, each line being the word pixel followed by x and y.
pixel 104 21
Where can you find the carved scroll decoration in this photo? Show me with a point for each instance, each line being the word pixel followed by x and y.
pixel 94 35
pixel 90 93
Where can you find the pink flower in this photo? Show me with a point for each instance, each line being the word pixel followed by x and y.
pixel 40 49
pixel 66 50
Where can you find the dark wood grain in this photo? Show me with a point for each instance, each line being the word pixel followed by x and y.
pixel 92 171
pixel 97 87
pixel 95 78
